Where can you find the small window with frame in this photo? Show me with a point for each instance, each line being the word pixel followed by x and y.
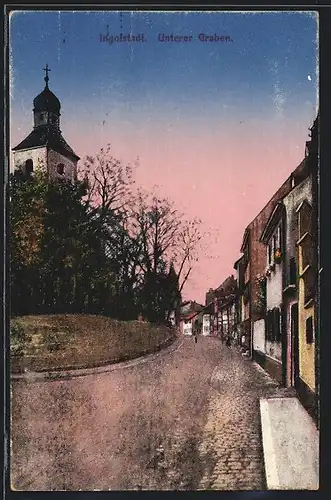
pixel 269 254
pixel 29 166
pixel 279 238
pixel 60 169
pixel 309 330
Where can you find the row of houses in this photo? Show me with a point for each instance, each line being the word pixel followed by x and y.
pixel 269 306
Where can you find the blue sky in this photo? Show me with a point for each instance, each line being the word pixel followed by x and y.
pixel 160 74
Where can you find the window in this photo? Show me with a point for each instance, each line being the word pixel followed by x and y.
pixel 274 243
pixel 269 254
pixel 293 271
pixel 309 330
pixel 279 237
pixel 246 294
pixel 305 215
pixel 309 284
pixel 273 327
pixel 276 320
pixel 29 166
pixel 60 169
pixel 307 252
pixel 269 326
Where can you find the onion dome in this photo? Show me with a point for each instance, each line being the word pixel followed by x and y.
pixel 46 100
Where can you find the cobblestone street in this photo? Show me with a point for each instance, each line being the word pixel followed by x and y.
pixel 185 420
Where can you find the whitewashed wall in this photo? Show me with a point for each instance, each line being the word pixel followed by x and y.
pixel 274 288
pixel 259 335
pixel 274 350
pixel 187 328
pixel 206 324
pixel 54 158
pixel 37 155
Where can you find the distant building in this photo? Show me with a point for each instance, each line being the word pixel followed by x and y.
pixel 226 295
pixel 190 312
pixel 220 309
pixel 45 146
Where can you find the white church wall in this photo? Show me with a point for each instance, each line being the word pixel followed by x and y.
pixel 54 158
pixel 37 155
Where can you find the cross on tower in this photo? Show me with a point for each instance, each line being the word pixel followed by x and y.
pixel 46 69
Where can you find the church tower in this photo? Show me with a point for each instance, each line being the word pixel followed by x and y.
pixel 45 145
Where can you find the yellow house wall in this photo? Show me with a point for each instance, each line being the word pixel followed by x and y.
pixel 306 351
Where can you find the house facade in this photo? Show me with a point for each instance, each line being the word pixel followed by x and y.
pixel 222 310
pixel 190 312
pixel 300 194
pixel 269 345
pixel 277 275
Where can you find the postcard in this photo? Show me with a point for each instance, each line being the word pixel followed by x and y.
pixel 164 246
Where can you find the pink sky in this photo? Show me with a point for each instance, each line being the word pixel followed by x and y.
pixel 224 177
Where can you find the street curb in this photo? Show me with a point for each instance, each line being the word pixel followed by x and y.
pixel 269 456
pixel 81 372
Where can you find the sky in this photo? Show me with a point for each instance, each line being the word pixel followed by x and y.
pixel 217 126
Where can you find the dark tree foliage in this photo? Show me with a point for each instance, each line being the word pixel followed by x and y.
pixel 93 247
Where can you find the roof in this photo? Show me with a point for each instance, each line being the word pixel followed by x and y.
pixel 46 101
pixel 236 264
pixel 245 239
pixel 185 303
pixel 271 223
pixel 188 317
pixel 48 136
pixel 298 175
pixel 227 284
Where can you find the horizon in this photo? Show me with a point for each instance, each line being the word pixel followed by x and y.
pixel 200 116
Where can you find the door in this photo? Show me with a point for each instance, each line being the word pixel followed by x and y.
pixel 295 343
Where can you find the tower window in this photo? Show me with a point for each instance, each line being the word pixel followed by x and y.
pixel 60 169
pixel 29 166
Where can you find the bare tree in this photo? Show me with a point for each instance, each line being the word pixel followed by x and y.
pixel 168 243
pixel 109 182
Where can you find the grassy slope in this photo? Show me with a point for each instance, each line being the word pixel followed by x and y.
pixel 76 341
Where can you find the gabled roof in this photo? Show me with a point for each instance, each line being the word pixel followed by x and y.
pixel 245 239
pixel 226 287
pixel 236 264
pixel 272 222
pixel 47 136
pixel 189 316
